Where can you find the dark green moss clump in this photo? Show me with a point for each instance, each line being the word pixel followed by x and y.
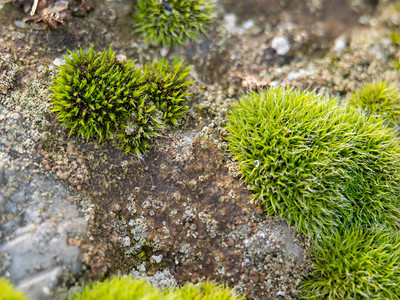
pixel 99 97
pixel 315 163
pixel 358 264
pixel 379 98
pixel 168 89
pixel 8 292
pixel 125 288
pixel 94 93
pixel 173 22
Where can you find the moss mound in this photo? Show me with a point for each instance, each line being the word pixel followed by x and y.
pixel 173 22
pixel 125 288
pixel 379 98
pixel 315 163
pixel 358 264
pixel 94 93
pixel 8 292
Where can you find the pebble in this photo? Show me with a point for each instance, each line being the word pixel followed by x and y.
pixel 340 44
pixel 20 24
pixel 230 23
pixel 59 61
pixel 281 293
pixel 281 45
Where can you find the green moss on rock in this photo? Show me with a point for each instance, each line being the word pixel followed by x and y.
pixel 124 288
pixel 356 264
pixel 315 163
pixel 173 22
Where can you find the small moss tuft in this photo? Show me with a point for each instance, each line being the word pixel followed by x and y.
pixel 8 292
pixel 173 22
pixel 125 288
pixel 315 163
pixel 356 264
pixel 379 98
pixel 94 93
pixel 204 291
pixel 168 88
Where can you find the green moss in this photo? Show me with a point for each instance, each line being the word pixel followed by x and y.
pixel 8 292
pixel 204 291
pixel 357 264
pixel 94 93
pixel 99 97
pixel 173 22
pixel 379 98
pixel 315 163
pixel 128 288
pixel 168 88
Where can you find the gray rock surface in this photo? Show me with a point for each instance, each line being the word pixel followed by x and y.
pixel 37 223
pixel 40 225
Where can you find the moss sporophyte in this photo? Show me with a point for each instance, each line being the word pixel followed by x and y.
pixel 99 97
pixel 173 22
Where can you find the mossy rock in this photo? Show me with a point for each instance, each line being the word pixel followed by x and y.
pixel 317 164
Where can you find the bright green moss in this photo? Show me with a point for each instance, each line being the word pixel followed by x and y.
pixel 8 292
pixel 168 88
pixel 173 22
pixel 204 291
pixel 127 288
pixel 379 98
pixel 358 264
pixel 315 163
pixel 94 93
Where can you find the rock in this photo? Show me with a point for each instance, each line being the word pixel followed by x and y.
pixel 340 44
pixel 230 23
pixel 35 238
pixel 59 61
pixel 280 44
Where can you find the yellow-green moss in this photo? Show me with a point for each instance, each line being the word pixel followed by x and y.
pixel 8 292
pixel 127 288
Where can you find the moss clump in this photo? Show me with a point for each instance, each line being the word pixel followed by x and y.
pixel 125 288
pixel 8 292
pixel 173 22
pixel 357 264
pixel 99 97
pixel 168 88
pixel 379 98
pixel 94 93
pixel 315 163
